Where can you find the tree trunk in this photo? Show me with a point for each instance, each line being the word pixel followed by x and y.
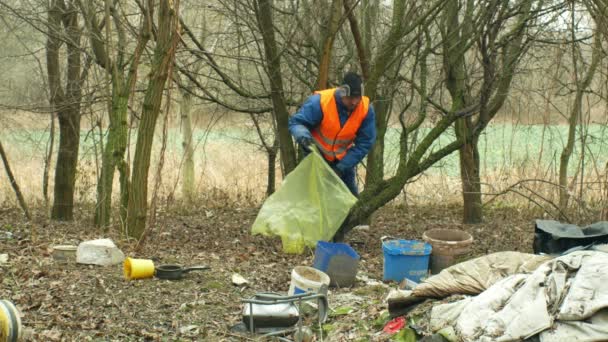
pixel 67 162
pixel 470 176
pixel 581 87
pixel 604 214
pixel 188 186
pixel 375 158
pixel 105 181
pixel 456 38
pixel 386 52
pixel 122 84
pixel 66 102
pixel 164 54
pixel 333 24
pixel 272 160
pixel 273 68
pixel 47 162
pixel 369 17
pixel 14 184
pixel 114 151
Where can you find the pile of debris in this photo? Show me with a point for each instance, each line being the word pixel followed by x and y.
pixel 511 296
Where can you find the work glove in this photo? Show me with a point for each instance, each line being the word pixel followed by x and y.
pixel 338 169
pixel 305 142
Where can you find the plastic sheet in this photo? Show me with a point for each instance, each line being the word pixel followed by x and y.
pixel 310 205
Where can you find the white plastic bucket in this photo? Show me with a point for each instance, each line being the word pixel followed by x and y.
pixel 307 279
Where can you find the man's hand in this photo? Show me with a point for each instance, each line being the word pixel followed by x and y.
pixel 305 142
pixel 338 169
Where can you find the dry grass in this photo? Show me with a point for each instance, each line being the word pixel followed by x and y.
pixel 227 177
pixel 235 171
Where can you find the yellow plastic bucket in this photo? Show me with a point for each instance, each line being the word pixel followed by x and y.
pixel 138 268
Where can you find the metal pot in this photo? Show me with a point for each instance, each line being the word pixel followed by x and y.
pixel 175 272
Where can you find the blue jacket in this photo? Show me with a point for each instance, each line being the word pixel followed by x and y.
pixel 310 115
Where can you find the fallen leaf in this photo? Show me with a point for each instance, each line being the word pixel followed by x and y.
pixel 343 310
pixel 189 329
pixel 52 335
pixel 405 335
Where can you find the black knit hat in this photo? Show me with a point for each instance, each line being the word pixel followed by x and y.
pixel 352 84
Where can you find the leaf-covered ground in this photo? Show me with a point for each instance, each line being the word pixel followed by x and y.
pixel 75 302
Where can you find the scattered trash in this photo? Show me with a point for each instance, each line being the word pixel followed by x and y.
pixel 448 246
pixel 10 322
pixel 6 235
pixel 307 279
pixel 476 275
pixel 101 252
pixel 64 253
pixel 371 282
pixel 405 259
pixel 393 326
pixel 347 298
pixel 563 300
pixel 407 284
pixel 275 313
pixel 555 238
pixel 339 261
pixel 362 227
pixel 3 259
pixel 401 302
pixel 175 272
pixel 138 268
pixel 238 280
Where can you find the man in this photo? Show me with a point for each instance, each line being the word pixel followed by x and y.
pixel 341 123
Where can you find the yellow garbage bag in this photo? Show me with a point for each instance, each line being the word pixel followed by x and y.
pixel 310 205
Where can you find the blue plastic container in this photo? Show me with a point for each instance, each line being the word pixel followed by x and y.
pixel 339 261
pixel 406 259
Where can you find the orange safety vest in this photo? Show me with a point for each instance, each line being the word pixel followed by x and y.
pixel 332 139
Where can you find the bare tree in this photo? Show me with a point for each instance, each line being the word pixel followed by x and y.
pixel 64 28
pixel 122 67
pixel 499 34
pixel 185 108
pixel 499 53
pixel 163 59
pixel 581 84
pixel 273 68
pixel 332 27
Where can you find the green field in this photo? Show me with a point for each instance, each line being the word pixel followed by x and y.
pixel 505 146
pixel 502 146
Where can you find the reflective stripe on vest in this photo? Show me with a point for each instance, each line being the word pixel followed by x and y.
pixel 333 139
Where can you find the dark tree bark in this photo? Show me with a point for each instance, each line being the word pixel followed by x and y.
pixel 63 23
pixel 273 68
